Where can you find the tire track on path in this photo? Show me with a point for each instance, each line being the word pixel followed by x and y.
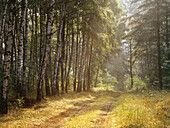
pixel 75 109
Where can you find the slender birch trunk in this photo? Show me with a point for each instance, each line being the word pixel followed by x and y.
pixel 25 56
pixel 31 50
pixel 63 53
pixel 89 67
pixel 77 54
pixel 67 50
pixel 98 68
pixel 55 86
pixel 20 47
pixel 7 57
pixel 47 86
pixel 131 65
pixel 79 88
pixel 86 64
pixel 46 57
pixel 2 31
pixel 159 46
pixel 70 60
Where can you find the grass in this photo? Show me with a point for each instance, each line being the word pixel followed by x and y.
pixel 98 108
pixel 148 110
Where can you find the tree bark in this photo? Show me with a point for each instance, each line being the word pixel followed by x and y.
pixel 46 57
pixel 25 56
pixel 89 66
pixel 77 54
pixel 167 27
pixel 31 50
pixel 20 47
pixel 79 88
pixel 97 76
pixel 70 60
pixel 55 86
pixel 86 60
pixel 159 47
pixel 63 52
pixel 8 46
pixel 2 31
pixel 131 64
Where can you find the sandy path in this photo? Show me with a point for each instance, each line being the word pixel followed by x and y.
pixel 79 107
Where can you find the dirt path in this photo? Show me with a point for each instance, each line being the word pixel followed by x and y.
pixel 80 108
pixel 94 109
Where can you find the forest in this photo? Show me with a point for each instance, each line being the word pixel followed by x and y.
pixel 85 63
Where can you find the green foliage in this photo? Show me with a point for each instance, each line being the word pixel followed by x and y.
pixel 16 104
pixel 138 82
pixel 107 81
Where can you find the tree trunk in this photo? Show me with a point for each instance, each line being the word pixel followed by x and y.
pixel 20 47
pixel 167 27
pixel 77 54
pixel 63 53
pixel 86 60
pixel 67 49
pixel 131 65
pixel 70 60
pixel 97 76
pixel 25 56
pixel 55 86
pixel 79 88
pixel 159 47
pixel 8 46
pixel 89 67
pixel 46 57
pixel 47 86
pixel 31 49
pixel 2 31
pixel 36 45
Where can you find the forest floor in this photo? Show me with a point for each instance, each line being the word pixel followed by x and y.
pixel 95 109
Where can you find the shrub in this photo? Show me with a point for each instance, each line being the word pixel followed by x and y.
pixel 137 83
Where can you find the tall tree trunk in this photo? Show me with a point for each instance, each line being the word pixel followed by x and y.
pixel 67 50
pixel 20 47
pixel 159 46
pixel 41 36
pixel 131 65
pixel 36 43
pixel 79 88
pixel 8 46
pixel 63 52
pixel 25 56
pixel 46 57
pixel 31 50
pixel 77 54
pixel 97 76
pixel 55 86
pixel 70 60
pixel 14 44
pixel 89 67
pixel 86 60
pixel 2 32
pixel 47 86
pixel 167 27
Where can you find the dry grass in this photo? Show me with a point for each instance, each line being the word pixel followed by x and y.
pixel 98 108
pixel 148 110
